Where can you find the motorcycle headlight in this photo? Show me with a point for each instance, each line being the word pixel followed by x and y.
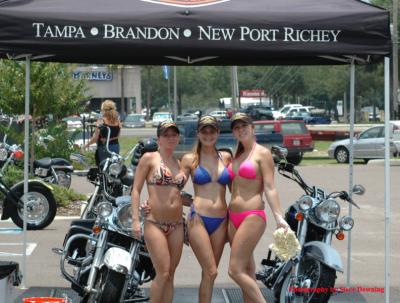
pixel 305 203
pixel 115 169
pixel 328 211
pixel 124 217
pixel 104 209
pixel 346 223
pixel 3 154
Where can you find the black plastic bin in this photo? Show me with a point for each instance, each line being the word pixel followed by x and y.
pixel 9 278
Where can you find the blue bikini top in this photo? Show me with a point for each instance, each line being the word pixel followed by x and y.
pixel 201 176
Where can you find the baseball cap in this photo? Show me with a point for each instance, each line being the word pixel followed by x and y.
pixel 164 125
pixel 207 121
pixel 240 117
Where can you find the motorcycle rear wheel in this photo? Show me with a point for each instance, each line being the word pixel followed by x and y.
pixel 64 179
pixel 321 276
pixel 109 284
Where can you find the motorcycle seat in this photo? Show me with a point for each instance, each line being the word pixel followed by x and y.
pixel 44 162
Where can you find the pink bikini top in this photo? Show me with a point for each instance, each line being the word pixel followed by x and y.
pixel 246 170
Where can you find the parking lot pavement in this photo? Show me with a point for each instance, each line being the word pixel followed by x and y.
pixel 367 265
pixel 220 295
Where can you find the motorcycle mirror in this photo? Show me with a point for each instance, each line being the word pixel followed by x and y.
pixel 278 153
pixel 358 189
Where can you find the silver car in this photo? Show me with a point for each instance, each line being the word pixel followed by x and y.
pixel 370 144
pixel 134 120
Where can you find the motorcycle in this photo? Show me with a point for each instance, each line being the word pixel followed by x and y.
pixel 112 178
pixel 109 265
pixel 40 202
pixel 51 170
pixel 310 275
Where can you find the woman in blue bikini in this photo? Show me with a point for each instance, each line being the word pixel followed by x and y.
pixel 207 220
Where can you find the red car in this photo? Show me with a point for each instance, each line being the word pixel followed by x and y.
pixel 296 137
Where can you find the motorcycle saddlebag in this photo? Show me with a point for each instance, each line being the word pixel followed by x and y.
pixel 80 226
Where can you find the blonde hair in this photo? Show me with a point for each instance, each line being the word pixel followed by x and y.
pixel 110 111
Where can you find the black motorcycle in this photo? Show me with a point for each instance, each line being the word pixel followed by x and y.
pixel 112 178
pixel 40 203
pixel 310 275
pixel 54 170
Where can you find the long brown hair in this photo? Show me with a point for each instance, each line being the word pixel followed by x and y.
pixel 239 149
pixel 110 111
pixel 196 152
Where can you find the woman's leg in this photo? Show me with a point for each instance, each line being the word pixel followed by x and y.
pixel 208 251
pixel 157 245
pixel 175 245
pixel 243 241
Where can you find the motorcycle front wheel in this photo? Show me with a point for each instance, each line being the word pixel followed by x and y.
pixel 312 276
pixel 109 285
pixel 41 208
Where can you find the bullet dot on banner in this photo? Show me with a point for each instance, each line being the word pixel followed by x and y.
pixel 94 31
pixel 187 33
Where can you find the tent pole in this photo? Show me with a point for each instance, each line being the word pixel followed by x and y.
pixel 175 96
pixel 351 162
pixel 387 178
pixel 26 161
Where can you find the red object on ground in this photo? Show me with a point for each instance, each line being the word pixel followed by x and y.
pixel 43 300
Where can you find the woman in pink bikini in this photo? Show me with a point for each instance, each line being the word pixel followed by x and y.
pixel 163 227
pixel 252 174
pixel 207 220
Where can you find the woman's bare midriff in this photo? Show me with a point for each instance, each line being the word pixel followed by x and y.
pixel 246 195
pixel 165 203
pixel 209 200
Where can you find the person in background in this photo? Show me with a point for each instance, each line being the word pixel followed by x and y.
pixel 252 174
pixel 164 224
pixel 207 220
pixel 110 118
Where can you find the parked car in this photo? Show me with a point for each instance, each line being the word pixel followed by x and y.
pixel 226 140
pixel 296 137
pixel 312 117
pixel 160 116
pixel 259 112
pixel 284 109
pixel 134 120
pixel 369 144
pixel 219 113
pixel 188 117
pixel 73 122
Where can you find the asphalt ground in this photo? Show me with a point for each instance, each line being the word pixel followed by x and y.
pixel 368 238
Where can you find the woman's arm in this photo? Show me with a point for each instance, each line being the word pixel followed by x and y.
pixel 268 172
pixel 227 160
pixel 186 168
pixel 95 136
pixel 142 170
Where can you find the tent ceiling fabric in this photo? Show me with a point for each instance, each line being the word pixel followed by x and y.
pixel 199 32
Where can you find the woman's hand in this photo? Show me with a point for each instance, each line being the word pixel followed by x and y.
pixel 145 207
pixel 281 223
pixel 136 230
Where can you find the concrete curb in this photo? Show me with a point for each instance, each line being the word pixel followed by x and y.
pixel 381 162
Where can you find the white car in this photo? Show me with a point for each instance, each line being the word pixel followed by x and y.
pixel 73 122
pixel 219 113
pixel 160 117
pixel 281 113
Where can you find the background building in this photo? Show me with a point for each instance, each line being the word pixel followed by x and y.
pixel 112 83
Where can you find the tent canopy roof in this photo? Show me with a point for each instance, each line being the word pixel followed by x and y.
pixel 203 32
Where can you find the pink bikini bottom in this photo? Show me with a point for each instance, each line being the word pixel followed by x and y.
pixel 238 217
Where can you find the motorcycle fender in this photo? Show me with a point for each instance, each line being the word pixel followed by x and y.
pixel 324 253
pixel 9 206
pixel 34 182
pixel 118 260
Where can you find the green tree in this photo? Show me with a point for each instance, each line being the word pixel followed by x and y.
pixel 52 91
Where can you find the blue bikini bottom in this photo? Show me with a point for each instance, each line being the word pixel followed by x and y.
pixel 210 223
